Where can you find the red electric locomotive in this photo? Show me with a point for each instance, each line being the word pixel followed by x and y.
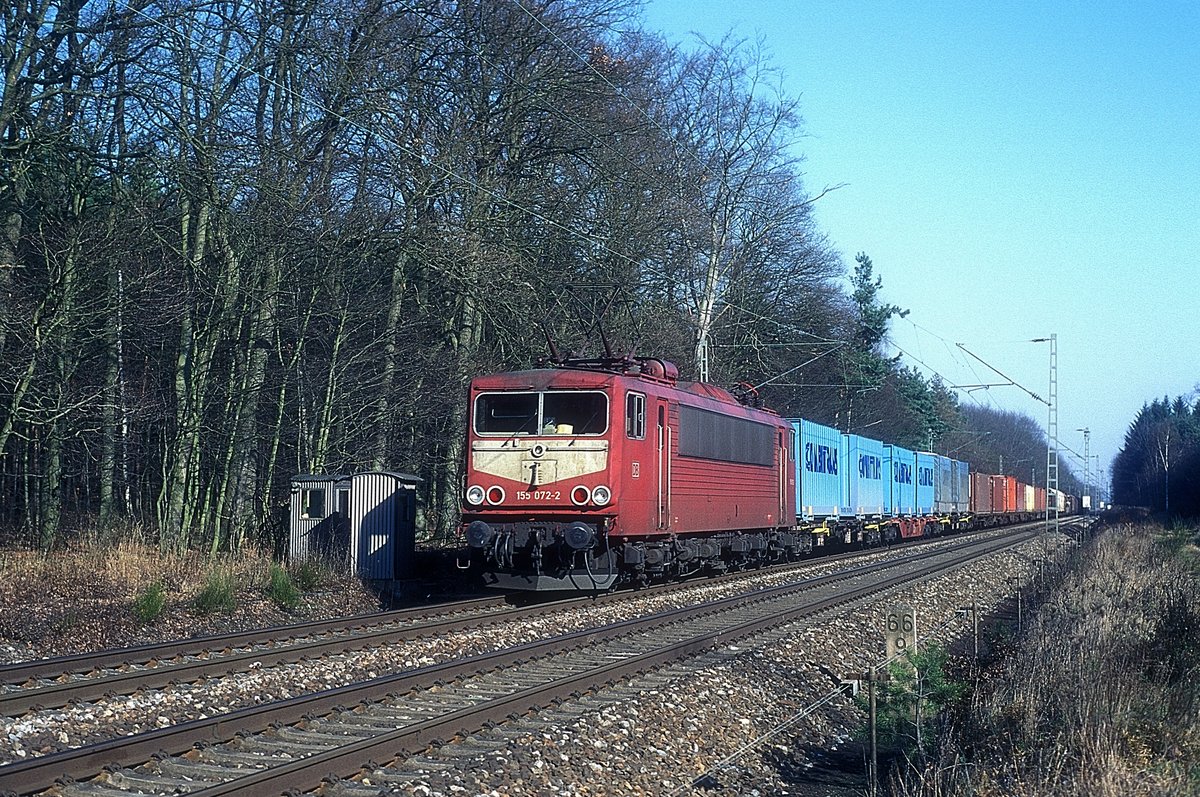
pixel 597 472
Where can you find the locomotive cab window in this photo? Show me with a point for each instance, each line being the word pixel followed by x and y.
pixel 507 413
pixel 564 412
pixel 574 412
pixel 635 416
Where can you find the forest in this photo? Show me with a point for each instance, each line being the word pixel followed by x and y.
pixel 1159 465
pixel 241 240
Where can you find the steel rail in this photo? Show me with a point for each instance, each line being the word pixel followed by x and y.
pixel 111 658
pixel 268 647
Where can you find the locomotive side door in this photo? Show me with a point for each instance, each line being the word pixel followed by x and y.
pixel 782 458
pixel 664 464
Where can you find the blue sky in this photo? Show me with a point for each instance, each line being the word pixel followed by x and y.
pixel 1013 169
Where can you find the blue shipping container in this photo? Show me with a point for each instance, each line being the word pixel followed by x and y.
pixel 818 458
pixel 925 481
pixel 865 486
pixel 960 486
pixel 943 485
pixel 900 470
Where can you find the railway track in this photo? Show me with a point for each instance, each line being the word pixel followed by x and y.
pixel 50 683
pixel 90 677
pixel 293 744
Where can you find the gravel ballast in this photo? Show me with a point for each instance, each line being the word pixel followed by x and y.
pixel 683 722
pixel 770 709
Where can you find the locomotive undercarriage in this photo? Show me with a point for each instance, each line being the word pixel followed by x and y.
pixel 581 556
pixel 578 556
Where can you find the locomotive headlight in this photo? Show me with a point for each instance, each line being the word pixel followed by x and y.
pixel 601 495
pixel 495 495
pixel 580 495
pixel 475 495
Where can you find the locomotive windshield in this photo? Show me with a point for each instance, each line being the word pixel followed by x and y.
pixel 561 412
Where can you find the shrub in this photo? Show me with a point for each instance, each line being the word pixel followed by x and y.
pixel 218 594
pixel 282 589
pixel 915 693
pixel 150 602
pixel 307 575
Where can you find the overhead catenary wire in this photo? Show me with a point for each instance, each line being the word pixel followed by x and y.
pixel 933 370
pixel 951 383
pixel 796 368
pixel 954 356
pixel 784 325
pixel 1011 381
pixel 981 384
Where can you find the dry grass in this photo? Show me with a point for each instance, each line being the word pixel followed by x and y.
pixel 84 597
pixel 1101 697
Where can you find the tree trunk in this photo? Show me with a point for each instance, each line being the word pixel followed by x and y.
pixel 62 332
pixel 243 471
pixel 323 434
pixel 395 310
pixel 181 459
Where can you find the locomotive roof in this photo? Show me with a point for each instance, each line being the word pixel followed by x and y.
pixel 585 378
pixel 543 378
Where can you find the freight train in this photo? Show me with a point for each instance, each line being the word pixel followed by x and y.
pixel 594 473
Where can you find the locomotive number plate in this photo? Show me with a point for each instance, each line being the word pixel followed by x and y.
pixel 539 495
